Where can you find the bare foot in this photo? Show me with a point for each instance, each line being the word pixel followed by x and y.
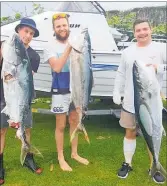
pixel 80 159
pixel 64 165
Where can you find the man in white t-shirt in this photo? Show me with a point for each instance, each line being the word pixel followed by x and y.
pixel 151 53
pixel 57 55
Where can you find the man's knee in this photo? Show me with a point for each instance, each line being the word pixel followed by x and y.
pixel 73 117
pixel 28 131
pixel 3 132
pixel 131 133
pixel 60 122
pixel 60 128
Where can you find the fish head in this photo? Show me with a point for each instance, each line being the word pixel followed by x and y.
pixel 84 29
pixel 77 41
pixel 8 50
pixel 13 49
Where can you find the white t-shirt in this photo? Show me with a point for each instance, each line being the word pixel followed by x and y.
pixel 154 53
pixel 53 49
pixel 60 81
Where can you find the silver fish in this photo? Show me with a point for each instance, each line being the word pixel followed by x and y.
pixel 148 110
pixel 81 78
pixel 19 90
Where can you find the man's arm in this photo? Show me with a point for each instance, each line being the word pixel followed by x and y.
pixel 58 63
pixel 120 76
pixel 162 67
pixel 119 80
pixel 35 63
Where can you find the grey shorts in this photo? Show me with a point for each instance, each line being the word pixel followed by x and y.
pixel 4 119
pixel 127 120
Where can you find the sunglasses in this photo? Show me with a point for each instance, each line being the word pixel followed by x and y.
pixel 60 15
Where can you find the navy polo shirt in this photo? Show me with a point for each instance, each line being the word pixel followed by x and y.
pixel 34 59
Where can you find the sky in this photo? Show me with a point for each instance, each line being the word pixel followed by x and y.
pixel 9 8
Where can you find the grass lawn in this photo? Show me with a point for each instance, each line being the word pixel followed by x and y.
pixel 105 154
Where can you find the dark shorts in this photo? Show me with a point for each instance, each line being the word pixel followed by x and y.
pixel 4 119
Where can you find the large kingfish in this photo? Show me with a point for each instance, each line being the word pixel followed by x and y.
pixel 19 90
pixel 148 110
pixel 81 78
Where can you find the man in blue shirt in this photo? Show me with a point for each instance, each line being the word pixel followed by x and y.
pixel 57 55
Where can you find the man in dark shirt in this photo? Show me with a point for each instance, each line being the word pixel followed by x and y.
pixel 26 31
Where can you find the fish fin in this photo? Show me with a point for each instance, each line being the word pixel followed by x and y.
pixel 35 151
pixel 5 110
pixel 164 132
pixel 158 167
pixel 146 119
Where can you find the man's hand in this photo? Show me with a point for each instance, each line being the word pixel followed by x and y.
pixel 154 65
pixel 76 42
pixel 117 97
pixel 8 77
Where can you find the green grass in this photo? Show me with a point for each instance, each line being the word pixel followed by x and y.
pixel 104 152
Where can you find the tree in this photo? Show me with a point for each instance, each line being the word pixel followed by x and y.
pixel 122 20
pixel 37 9
pixel 160 29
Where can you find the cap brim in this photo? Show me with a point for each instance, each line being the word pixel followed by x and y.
pixel 36 31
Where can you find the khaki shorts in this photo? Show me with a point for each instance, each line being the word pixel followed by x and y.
pixel 127 120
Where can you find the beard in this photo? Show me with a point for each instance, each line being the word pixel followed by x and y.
pixel 60 38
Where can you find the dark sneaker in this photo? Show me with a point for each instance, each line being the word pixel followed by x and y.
pixel 124 170
pixel 2 170
pixel 2 175
pixel 30 163
pixel 158 177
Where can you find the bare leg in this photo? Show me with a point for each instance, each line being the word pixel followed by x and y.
pixel 73 121
pixel 28 134
pixel 2 146
pixel 2 139
pixel 130 134
pixel 59 137
pixel 129 145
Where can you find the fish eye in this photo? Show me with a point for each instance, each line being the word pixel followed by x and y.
pixel 17 50
pixel 149 95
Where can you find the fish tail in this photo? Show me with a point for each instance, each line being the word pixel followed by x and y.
pixel 86 134
pixel 35 151
pixel 76 132
pixel 158 168
pixel 30 149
